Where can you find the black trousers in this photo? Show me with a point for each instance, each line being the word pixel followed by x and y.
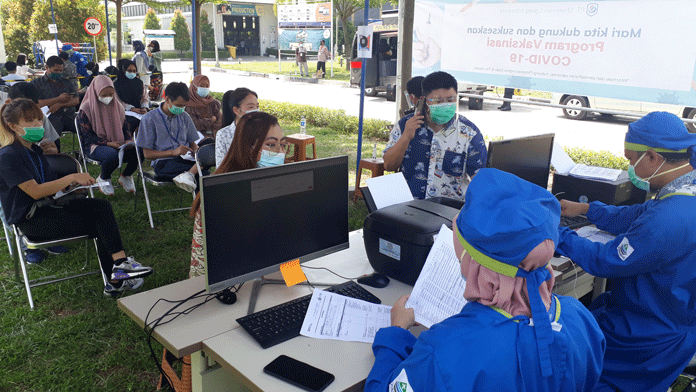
pixel 321 65
pixel 93 217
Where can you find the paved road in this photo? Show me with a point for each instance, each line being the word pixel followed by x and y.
pixel 595 133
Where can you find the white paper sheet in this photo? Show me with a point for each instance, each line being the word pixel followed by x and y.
pixel 188 156
pixel 594 172
pixel 121 151
pixel 439 290
pixel 62 193
pixel 594 234
pixel 389 190
pixel 134 114
pixel 560 159
pixel 45 110
pixel 333 316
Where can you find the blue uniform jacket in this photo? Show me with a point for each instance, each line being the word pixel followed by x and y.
pixel 480 349
pixel 649 317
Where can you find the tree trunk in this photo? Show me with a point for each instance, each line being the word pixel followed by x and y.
pixel 119 33
pixel 197 44
pixel 346 43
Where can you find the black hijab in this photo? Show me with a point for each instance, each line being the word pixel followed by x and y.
pixel 130 91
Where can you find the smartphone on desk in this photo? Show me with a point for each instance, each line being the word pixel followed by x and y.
pixel 298 373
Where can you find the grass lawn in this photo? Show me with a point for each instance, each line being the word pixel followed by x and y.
pixel 75 339
pixel 287 68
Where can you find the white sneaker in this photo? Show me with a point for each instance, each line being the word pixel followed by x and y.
pixel 105 186
pixel 127 183
pixel 126 285
pixel 186 181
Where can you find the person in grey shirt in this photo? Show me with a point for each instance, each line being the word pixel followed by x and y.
pixel 168 137
pixel 50 144
pixel 59 95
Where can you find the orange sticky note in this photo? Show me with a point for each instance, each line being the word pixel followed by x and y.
pixel 292 272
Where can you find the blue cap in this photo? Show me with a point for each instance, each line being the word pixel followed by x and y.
pixel 661 132
pixel 504 218
pixel 66 47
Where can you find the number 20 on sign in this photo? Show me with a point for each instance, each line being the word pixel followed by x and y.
pixel 93 26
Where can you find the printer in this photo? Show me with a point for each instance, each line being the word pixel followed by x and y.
pixel 398 238
pixel 584 190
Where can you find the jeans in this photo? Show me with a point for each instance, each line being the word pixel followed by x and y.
pixel 108 157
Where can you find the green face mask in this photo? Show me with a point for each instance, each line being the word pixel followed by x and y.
pixel 55 76
pixel 33 135
pixel 442 112
pixel 175 110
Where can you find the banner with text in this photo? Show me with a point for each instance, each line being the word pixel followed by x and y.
pixel 638 50
pixel 317 15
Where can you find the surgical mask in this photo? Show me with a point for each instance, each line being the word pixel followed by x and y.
pixel 269 158
pixel 33 134
pixel 442 113
pixel 131 75
pixel 55 76
pixel 89 72
pixel 105 100
pixel 175 110
pixel 203 91
pixel 251 111
pixel 644 183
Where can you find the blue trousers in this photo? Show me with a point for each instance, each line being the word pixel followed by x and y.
pixel 108 157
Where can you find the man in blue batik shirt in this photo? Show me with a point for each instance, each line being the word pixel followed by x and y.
pixel 437 153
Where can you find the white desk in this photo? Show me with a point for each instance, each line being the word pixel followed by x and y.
pixel 230 356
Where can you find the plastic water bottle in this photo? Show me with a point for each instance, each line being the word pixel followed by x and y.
pixel 374 152
pixel 303 126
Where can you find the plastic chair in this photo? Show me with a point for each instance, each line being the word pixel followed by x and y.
pixel 149 176
pixel 62 165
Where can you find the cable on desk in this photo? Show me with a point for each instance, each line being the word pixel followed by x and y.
pixel 324 268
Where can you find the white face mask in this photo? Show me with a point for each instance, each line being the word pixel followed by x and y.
pixel 105 100
pixel 251 111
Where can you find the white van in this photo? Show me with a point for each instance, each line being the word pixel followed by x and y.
pixel 620 105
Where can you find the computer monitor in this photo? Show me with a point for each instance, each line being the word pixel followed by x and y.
pixel 254 220
pixel 527 157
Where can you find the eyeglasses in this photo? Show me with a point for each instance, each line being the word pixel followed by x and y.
pixel 435 101
pixel 276 148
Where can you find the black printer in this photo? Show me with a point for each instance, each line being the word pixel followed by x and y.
pixel 398 238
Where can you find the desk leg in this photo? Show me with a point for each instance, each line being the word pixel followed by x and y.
pixel 212 377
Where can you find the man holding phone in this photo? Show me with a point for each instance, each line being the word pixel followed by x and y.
pixel 59 95
pixel 436 151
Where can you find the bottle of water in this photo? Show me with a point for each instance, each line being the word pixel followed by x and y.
pixel 374 152
pixel 303 126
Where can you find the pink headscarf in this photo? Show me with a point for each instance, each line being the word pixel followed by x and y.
pixel 195 100
pixel 107 120
pixel 509 294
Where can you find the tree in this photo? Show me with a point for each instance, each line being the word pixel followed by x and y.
pixel 15 16
pixel 119 4
pixel 152 22
pixel 182 39
pixel 207 34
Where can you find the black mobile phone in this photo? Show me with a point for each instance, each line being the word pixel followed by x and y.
pixel 298 373
pixel 420 106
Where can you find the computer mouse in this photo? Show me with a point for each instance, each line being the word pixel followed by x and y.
pixel 226 296
pixel 375 280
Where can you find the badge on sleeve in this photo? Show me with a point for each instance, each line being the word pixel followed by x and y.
pixel 625 249
pixel 400 383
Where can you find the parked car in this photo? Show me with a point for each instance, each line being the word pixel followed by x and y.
pixel 620 105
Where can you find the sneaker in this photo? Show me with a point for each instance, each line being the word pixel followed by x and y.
pixel 127 183
pixel 57 250
pixel 126 285
pixel 186 181
pixel 129 269
pixel 34 256
pixel 105 186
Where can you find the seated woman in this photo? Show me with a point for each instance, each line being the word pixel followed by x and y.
pixel 111 72
pixel 22 67
pixel 203 108
pixel 92 72
pixel 260 143
pixel 131 91
pixel 235 104
pixel 513 334
pixel 103 130
pixel 27 177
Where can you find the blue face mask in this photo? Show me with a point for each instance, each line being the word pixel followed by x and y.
pixel 131 75
pixel 269 158
pixel 203 91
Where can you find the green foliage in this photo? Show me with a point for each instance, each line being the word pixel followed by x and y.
pixel 207 34
pixel 152 22
pixel 15 16
pixel 597 158
pixel 182 38
pixel 350 32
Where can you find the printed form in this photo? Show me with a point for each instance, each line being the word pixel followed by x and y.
pixel 333 316
pixel 439 290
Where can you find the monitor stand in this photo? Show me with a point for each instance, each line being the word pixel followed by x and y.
pixel 256 287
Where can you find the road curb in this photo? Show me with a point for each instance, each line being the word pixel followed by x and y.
pixel 289 78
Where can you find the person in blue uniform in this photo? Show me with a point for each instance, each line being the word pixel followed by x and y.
pixel 648 317
pixel 79 60
pixel 513 334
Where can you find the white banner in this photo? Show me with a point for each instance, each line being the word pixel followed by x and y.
pixel 317 15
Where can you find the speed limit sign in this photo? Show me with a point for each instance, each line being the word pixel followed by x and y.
pixel 93 26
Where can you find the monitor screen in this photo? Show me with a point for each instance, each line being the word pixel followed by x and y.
pixel 254 220
pixel 527 157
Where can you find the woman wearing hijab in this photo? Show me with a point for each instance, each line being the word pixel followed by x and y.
pixel 202 107
pixel 131 91
pixel 153 51
pixel 513 334
pixel 103 130
pixel 141 61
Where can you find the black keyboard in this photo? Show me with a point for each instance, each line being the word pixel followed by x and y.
pixel 283 322
pixel 574 222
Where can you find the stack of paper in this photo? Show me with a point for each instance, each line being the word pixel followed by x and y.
pixel 564 164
